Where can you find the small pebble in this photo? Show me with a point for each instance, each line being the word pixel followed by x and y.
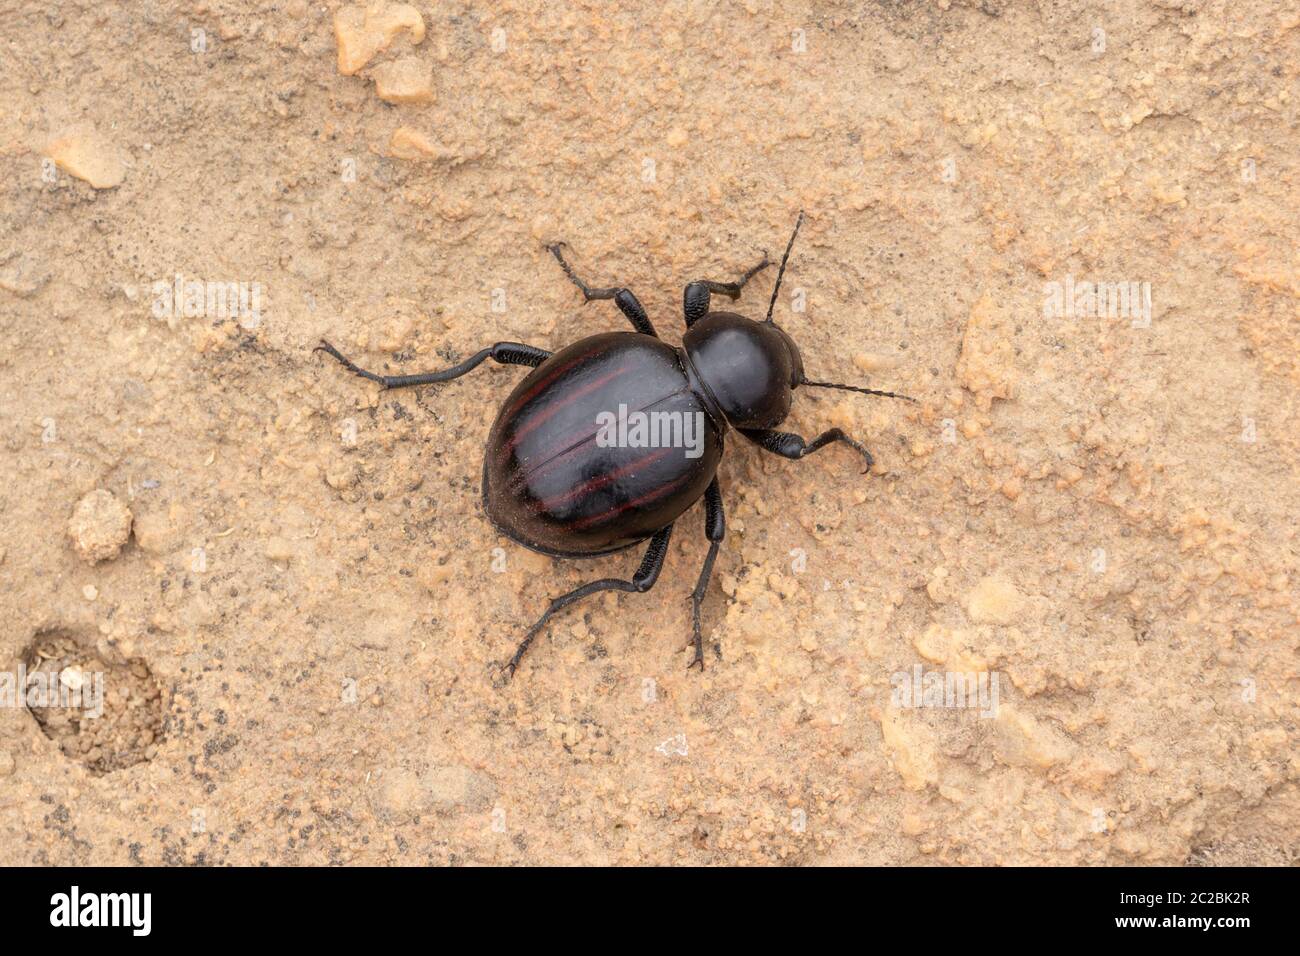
pixel 99 526
pixel 362 32
pixel 408 80
pixel 85 153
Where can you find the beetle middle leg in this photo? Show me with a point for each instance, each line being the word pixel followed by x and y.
pixel 505 353
pixel 642 581
pixel 790 445
pixel 696 296
pixel 715 529
pixel 623 298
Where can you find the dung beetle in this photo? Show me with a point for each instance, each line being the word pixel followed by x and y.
pixel 609 441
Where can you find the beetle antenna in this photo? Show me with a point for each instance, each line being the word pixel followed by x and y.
pixel 857 388
pixel 780 272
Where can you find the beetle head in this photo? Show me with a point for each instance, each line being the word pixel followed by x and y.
pixel 749 368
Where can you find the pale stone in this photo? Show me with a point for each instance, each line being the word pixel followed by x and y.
pixel 912 747
pixel 83 152
pixel 875 361
pixel 407 143
pixel 987 364
pixel 362 32
pixel 994 601
pixel 944 645
pixel 408 80
pixel 1023 741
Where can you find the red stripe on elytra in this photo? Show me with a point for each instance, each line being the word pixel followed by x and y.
pixel 601 481
pixel 573 442
pixel 555 406
pixel 538 386
pixel 635 502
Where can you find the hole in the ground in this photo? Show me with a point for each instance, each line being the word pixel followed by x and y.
pixel 106 714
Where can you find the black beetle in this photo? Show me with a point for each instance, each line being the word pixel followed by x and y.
pixel 555 482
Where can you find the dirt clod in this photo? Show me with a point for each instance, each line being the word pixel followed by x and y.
pixel 99 526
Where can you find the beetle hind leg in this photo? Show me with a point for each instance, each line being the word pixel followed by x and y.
pixel 642 581
pixel 715 529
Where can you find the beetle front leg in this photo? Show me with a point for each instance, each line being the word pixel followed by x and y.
pixel 642 581
pixel 505 353
pixel 789 445
pixel 715 529
pixel 623 298
pixel 696 296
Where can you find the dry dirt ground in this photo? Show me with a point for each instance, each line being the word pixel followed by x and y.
pixel 288 585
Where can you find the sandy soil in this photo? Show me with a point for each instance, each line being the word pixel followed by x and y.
pixel 1099 510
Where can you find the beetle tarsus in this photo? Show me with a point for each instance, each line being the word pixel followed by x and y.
pixel 715 529
pixel 348 364
pixel 507 672
pixel 588 293
pixel 861 450
pixel 732 290
pixel 627 303
pixel 794 447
